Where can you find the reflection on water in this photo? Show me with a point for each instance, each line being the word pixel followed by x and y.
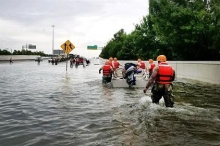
pixel 43 105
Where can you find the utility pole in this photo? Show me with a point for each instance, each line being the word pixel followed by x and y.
pixel 53 40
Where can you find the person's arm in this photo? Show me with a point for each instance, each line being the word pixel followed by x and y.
pixel 100 70
pixel 152 79
pixel 148 67
pixel 113 65
pixel 119 64
pixel 112 70
pixel 174 75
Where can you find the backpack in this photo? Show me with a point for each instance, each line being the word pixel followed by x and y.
pixel 127 65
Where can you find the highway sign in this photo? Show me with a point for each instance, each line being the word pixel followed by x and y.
pixel 67 47
pixel 92 47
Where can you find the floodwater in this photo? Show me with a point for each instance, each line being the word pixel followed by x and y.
pixel 45 105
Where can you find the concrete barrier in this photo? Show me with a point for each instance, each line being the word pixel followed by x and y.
pixel 205 71
pixel 17 57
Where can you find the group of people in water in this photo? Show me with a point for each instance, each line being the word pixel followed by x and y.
pixel 110 67
pixel 78 61
pixel 161 75
pixel 55 61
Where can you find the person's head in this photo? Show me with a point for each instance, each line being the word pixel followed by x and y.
pixel 115 59
pixel 151 60
pixel 139 60
pixel 110 59
pixel 161 58
pixel 137 66
pixel 106 62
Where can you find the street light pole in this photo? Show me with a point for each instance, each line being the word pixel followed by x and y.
pixel 53 40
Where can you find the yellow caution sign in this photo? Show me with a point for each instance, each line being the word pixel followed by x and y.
pixel 67 47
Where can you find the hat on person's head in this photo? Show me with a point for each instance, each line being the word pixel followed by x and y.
pixel 151 60
pixel 162 58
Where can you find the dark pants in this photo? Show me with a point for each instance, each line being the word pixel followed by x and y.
pixel 106 79
pixel 162 90
pixel 150 73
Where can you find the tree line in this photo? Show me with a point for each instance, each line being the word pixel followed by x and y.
pixel 22 52
pixel 181 30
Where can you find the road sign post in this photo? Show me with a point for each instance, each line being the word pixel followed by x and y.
pixel 66 57
pixel 67 47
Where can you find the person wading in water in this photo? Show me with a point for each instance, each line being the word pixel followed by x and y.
pixel 163 75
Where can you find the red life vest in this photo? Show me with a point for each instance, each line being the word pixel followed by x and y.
pixel 164 74
pixel 110 63
pixel 142 65
pixel 81 60
pixel 152 67
pixel 116 64
pixel 77 60
pixel 106 70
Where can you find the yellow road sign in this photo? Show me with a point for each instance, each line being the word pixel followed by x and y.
pixel 67 46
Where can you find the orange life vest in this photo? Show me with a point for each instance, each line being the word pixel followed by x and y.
pixel 142 65
pixel 110 63
pixel 116 64
pixel 152 67
pixel 164 74
pixel 106 70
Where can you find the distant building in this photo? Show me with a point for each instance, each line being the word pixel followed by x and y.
pixel 58 52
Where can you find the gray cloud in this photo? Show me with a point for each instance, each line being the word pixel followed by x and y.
pixel 83 21
pixel 32 11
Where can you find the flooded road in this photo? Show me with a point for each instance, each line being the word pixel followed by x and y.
pixel 43 105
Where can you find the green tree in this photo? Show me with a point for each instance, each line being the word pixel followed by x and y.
pixel 181 30
pixel 4 52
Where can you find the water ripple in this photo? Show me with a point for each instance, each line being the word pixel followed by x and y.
pixel 43 105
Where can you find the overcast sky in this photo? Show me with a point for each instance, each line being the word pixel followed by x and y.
pixel 83 22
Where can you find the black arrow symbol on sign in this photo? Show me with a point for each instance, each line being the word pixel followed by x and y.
pixel 70 46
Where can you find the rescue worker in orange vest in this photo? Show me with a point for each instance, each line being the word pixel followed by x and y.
pixel 110 61
pixel 115 63
pixel 142 64
pixel 107 71
pixel 151 67
pixel 163 75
